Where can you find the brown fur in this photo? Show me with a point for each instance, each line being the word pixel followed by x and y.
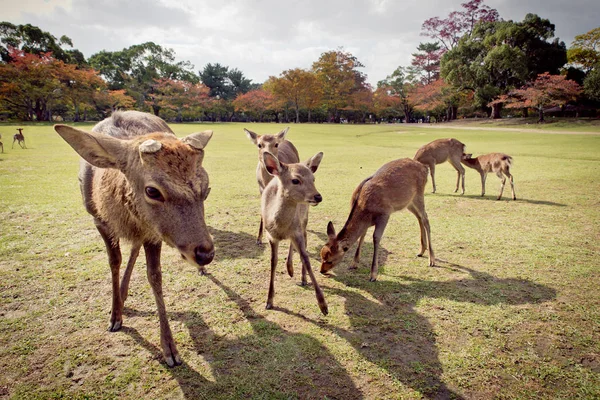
pixel 440 151
pixel 285 214
pixel 1 145
pixel 498 163
pixel 144 185
pixel 395 186
pixel 19 138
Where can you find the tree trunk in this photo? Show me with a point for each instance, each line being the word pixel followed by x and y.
pixel 541 115
pixel 525 112
pixel 297 114
pixel 496 108
pixel 309 115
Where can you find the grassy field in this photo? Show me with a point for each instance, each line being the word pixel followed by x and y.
pixel 512 309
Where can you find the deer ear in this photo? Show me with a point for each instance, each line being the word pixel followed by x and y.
pixel 281 135
pixel 313 162
pixel 252 136
pixel 272 164
pixel 331 230
pixel 98 149
pixel 198 140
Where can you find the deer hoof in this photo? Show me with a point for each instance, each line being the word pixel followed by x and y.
pixel 372 279
pixel 324 309
pixel 353 266
pixel 115 326
pixel 173 360
pixel 269 306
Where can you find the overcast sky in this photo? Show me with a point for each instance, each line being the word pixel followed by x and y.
pixel 265 37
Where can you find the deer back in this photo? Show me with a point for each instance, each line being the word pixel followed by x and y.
pixel 439 151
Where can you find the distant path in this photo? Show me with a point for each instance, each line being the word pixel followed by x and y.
pixel 482 128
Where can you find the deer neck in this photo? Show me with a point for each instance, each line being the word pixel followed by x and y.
pixel 278 211
pixel 471 163
pixel 356 226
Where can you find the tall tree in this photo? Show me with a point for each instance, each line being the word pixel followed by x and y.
pixel 297 87
pixel 338 74
pixel 546 91
pixel 32 39
pixel 426 62
pixel 450 30
pixel 256 102
pixel 177 96
pixel 500 56
pixel 224 83
pixel 585 50
pixel 399 84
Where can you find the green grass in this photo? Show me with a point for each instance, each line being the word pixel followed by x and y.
pixel 511 311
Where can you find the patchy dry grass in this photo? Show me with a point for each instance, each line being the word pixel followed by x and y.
pixel 511 311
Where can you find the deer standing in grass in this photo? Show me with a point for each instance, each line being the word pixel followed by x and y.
pixel 284 206
pixel 498 163
pixel 144 185
pixel 19 138
pixel 395 186
pixel 1 145
pixel 440 151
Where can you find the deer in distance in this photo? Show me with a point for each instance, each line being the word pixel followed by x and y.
pixel 395 186
pixel 19 138
pixel 284 208
pixel 1 145
pixel 439 151
pixel 498 163
pixel 143 185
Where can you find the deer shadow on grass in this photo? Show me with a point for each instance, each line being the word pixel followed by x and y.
pixel 491 197
pixel 269 363
pixel 387 330
pixel 230 245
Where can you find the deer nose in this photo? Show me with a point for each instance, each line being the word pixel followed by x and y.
pixel 204 257
pixel 318 198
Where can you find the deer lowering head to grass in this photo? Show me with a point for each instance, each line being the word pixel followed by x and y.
pixel 19 138
pixel 285 203
pixel 440 151
pixel 144 185
pixel 498 163
pixel 281 148
pixel 395 186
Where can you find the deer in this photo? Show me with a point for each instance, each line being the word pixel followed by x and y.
pixel 143 185
pixel 19 138
pixel 498 163
pixel 1 145
pixel 284 210
pixel 395 186
pixel 439 151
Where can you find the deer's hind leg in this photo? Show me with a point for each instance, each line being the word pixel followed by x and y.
pixel 418 209
pixel 512 184
pixel 114 261
pixel 133 255
pixel 503 179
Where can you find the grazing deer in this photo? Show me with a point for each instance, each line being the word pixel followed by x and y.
pixel 397 185
pixel 284 205
pixel 440 151
pixel 19 138
pixel 498 163
pixel 144 185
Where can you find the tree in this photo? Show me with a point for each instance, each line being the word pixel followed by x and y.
pixel 297 87
pixel 502 55
pixel 591 84
pixel 437 99
pixel 79 87
pixel 33 40
pixel 546 91
pixel 585 50
pixel 426 62
pixel 255 102
pixel 177 96
pixel 458 24
pixel 399 85
pixel 339 77
pixel 224 83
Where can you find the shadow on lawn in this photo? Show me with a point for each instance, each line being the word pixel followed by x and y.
pixel 229 245
pixel 390 333
pixel 270 363
pixel 490 197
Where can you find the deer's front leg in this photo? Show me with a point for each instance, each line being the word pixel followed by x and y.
pixel 356 259
pixel 135 251
pixel 155 278
pixel 300 245
pixel 114 261
pixel 380 225
pixel 274 249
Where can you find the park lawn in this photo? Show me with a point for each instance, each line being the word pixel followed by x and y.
pixel 512 309
pixel 551 124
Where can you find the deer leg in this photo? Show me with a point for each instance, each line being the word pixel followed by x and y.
pixel 356 259
pixel 416 213
pixel 114 261
pixel 512 185
pixel 432 172
pixel 289 263
pixel 461 173
pixel 274 250
pixel 380 224
pixel 483 177
pixel 260 233
pixel 153 270
pixel 300 245
pixel 503 179
pixel 135 251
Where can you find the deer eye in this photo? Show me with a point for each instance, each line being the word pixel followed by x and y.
pixel 154 194
pixel 260 146
pixel 295 181
pixel 276 144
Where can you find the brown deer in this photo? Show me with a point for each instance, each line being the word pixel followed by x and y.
pixel 440 151
pixel 397 185
pixel 1 145
pixel 144 185
pixel 19 138
pixel 284 205
pixel 498 163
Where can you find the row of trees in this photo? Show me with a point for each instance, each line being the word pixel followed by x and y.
pixel 476 64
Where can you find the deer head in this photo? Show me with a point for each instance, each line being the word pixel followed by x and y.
pixel 332 253
pixel 267 143
pixel 166 184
